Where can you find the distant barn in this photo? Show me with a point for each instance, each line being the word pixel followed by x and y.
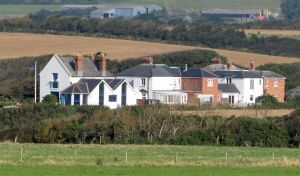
pixel 232 13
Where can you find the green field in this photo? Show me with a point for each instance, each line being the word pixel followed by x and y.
pixel 8 11
pixel 90 160
pixel 143 171
pixel 273 5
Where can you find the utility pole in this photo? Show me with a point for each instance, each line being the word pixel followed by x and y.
pixel 35 77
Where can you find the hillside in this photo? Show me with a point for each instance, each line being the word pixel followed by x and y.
pixel 25 44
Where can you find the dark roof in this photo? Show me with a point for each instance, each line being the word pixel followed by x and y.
pixel 151 70
pixel 114 83
pixel 238 74
pixel 270 74
pixel 228 88
pixel 89 69
pixel 295 91
pixel 79 88
pixel 222 67
pixel 198 73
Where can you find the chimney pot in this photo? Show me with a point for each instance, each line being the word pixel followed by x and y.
pixel 102 63
pixel 78 62
pixel 252 65
pixel 229 65
pixel 216 61
pixel 149 60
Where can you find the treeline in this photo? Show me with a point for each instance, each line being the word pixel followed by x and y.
pixel 215 34
pixel 279 24
pixel 143 125
pixel 17 75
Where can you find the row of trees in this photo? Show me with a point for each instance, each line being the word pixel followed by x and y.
pixel 142 125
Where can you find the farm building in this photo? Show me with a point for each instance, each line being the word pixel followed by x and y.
pixel 128 10
pixel 242 14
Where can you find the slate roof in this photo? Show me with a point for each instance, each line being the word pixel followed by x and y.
pixel 238 74
pixel 221 67
pixel 228 88
pixel 295 91
pixel 270 74
pixel 197 73
pixel 114 83
pixel 151 70
pixel 89 69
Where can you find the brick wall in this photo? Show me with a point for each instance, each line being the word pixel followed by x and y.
pixel 199 86
pixel 270 88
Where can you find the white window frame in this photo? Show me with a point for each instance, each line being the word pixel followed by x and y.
pixel 276 83
pixel 210 83
pixel 143 82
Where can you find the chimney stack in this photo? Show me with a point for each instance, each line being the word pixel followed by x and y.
pixel 102 62
pixel 92 57
pixel 252 65
pixel 78 62
pixel 229 65
pixel 148 60
pixel 216 61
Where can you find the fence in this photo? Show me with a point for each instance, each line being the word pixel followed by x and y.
pixel 134 155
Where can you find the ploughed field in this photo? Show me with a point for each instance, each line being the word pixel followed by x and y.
pixel 14 45
pixel 90 160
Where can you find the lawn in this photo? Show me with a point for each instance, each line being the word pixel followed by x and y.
pixel 144 171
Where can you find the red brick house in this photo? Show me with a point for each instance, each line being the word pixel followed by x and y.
pixel 200 85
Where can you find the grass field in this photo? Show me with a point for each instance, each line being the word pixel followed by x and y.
pixel 273 5
pixel 144 171
pixel 8 11
pixel 146 155
pixel 13 45
pixel 279 33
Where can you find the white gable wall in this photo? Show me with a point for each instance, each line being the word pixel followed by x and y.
pixel 53 66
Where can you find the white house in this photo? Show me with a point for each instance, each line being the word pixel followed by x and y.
pixel 156 82
pixel 76 81
pixel 248 83
pixel 229 94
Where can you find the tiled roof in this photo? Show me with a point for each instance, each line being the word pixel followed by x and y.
pixel 89 69
pixel 228 88
pixel 238 74
pixel 198 73
pixel 78 88
pixel 221 67
pixel 151 70
pixel 270 74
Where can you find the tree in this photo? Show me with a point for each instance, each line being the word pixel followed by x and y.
pixel 50 99
pixel 290 9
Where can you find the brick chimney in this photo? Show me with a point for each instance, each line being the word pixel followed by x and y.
pixel 252 65
pixel 229 65
pixel 78 62
pixel 102 62
pixel 215 61
pixel 148 60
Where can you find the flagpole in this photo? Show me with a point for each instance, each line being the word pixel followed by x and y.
pixel 35 81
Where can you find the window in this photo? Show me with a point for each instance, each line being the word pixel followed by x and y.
pixel 112 98
pixel 54 82
pixel 144 95
pixel 210 83
pixel 124 94
pixel 260 82
pixel 276 83
pixel 252 84
pixel 231 99
pixel 228 80
pixel 251 98
pixel 76 99
pixel 143 81
pixel 101 94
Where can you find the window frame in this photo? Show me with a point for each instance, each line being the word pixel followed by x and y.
pixel 143 82
pixel 210 83
pixel 252 84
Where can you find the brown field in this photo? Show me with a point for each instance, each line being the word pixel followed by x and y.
pixel 284 33
pixel 240 112
pixel 13 45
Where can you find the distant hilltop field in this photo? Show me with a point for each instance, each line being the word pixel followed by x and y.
pixel 11 9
